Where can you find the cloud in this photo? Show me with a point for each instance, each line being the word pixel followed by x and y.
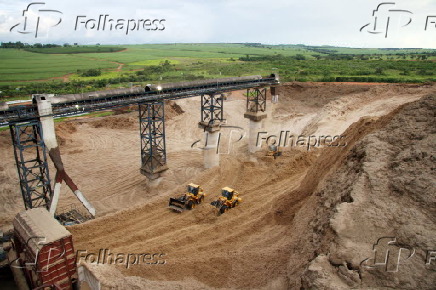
pixel 316 22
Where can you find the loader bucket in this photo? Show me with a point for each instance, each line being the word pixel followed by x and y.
pixel 176 204
pixel 216 203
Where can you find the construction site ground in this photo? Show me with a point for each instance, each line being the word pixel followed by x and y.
pixel 308 218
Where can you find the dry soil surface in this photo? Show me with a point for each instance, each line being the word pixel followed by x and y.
pixel 308 218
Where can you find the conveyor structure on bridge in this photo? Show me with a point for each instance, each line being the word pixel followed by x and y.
pixel 74 104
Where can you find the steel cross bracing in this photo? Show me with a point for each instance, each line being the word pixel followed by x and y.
pixel 212 109
pixel 152 132
pixel 26 113
pixel 31 160
pixel 256 100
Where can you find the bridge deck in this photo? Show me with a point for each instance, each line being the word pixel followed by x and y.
pixel 18 114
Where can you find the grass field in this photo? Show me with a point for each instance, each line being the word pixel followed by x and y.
pixel 20 65
pixel 59 69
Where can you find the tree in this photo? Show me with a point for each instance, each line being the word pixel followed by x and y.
pixel 378 71
pixel 91 73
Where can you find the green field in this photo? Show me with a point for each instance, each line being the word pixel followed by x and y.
pixel 20 65
pixel 61 69
pixel 76 49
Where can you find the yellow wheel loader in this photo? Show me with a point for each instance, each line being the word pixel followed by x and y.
pixel 194 195
pixel 228 199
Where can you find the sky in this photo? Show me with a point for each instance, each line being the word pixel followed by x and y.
pixel 352 23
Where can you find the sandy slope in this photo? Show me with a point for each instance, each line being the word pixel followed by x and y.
pixel 384 191
pixel 258 244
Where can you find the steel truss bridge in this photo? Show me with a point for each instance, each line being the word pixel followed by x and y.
pixel 31 154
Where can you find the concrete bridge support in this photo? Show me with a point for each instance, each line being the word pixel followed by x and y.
pixel 32 140
pixel 211 151
pixel 45 113
pixel 274 95
pixel 255 126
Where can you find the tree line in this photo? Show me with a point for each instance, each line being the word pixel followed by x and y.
pixel 21 45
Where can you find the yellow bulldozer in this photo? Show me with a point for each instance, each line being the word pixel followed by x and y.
pixel 229 199
pixel 194 195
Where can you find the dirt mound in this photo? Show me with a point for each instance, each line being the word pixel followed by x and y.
pixel 318 94
pixel 172 109
pixel 299 208
pixel 64 132
pixel 126 119
pixel 115 122
pixel 381 199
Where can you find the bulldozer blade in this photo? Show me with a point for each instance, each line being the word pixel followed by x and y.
pixel 176 205
pixel 176 208
pixel 216 203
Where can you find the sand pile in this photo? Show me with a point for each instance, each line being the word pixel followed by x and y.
pixel 384 189
pixel 268 241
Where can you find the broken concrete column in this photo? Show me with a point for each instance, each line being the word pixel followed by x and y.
pixel 49 137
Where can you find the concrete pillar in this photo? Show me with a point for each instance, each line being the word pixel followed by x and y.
pixel 45 112
pixel 254 127
pixel 210 151
pixel 274 95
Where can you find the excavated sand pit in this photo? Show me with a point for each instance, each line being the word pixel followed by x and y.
pixel 308 218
